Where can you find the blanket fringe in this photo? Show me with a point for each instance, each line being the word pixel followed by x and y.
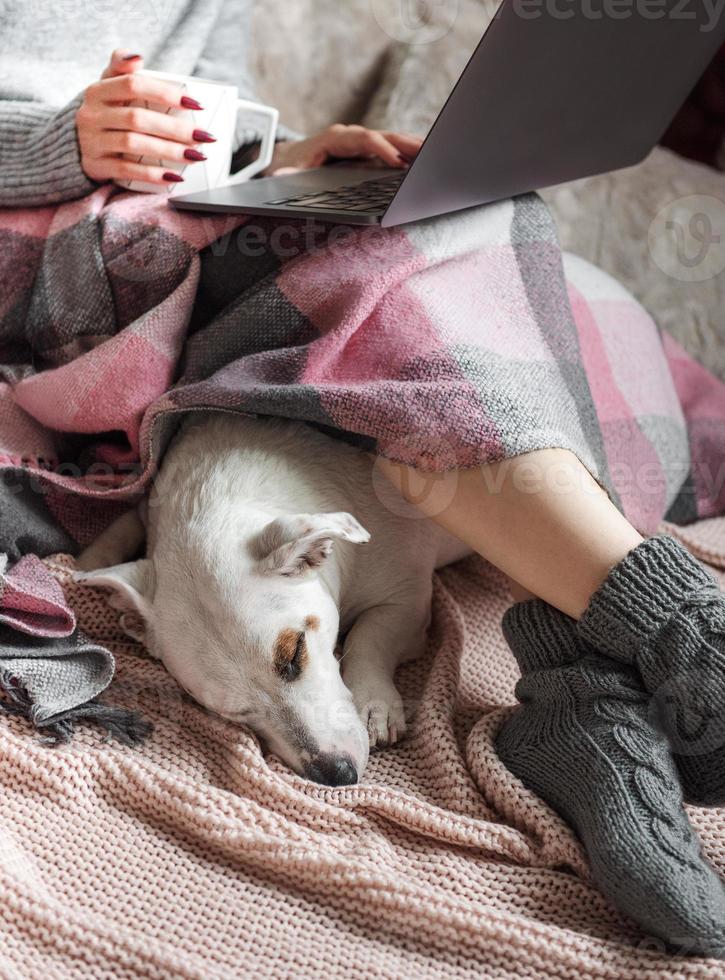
pixel 127 727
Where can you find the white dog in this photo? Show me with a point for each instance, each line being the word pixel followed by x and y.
pixel 255 567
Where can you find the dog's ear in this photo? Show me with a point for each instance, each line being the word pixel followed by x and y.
pixel 296 544
pixel 132 587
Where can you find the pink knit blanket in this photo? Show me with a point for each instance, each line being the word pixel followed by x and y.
pixel 195 857
pixel 449 343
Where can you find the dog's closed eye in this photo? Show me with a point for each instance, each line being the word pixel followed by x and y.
pixel 290 654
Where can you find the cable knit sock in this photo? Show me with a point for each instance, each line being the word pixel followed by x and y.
pixel 660 610
pixel 583 742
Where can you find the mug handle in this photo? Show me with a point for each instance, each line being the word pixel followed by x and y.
pixel 269 119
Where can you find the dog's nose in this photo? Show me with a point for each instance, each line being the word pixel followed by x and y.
pixel 331 770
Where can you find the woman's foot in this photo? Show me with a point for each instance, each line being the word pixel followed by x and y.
pixel 661 611
pixel 582 741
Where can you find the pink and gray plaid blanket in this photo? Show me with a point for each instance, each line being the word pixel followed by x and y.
pixel 449 343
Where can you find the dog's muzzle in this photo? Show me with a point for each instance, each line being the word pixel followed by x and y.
pixel 331 770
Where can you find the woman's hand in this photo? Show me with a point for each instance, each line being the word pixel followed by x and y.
pixel 113 134
pixel 394 149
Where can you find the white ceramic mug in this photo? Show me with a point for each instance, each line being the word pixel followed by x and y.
pixel 222 106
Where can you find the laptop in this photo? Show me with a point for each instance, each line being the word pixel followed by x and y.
pixel 556 90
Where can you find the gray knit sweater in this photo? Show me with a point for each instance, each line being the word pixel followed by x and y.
pixel 50 52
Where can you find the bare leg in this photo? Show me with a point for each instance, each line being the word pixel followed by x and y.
pixel 546 524
pixel 540 518
pixel 518 592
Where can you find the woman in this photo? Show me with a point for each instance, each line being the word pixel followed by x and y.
pixel 603 619
pixel 51 153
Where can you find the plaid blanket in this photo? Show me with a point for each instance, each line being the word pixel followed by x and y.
pixel 449 343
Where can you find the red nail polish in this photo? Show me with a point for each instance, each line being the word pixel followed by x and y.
pixel 173 178
pixel 131 57
pixel 189 103
pixel 194 155
pixel 201 136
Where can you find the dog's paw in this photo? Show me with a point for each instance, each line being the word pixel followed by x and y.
pixel 381 709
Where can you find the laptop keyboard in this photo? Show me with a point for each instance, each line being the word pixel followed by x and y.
pixel 371 196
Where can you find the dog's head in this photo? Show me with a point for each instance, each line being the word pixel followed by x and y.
pixel 248 626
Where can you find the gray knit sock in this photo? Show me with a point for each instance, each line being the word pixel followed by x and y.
pixel 583 742
pixel 660 610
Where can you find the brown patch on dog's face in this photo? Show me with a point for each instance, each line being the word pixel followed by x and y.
pixel 312 623
pixel 290 654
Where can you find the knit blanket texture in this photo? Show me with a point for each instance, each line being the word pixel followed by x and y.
pixel 448 343
pixel 195 856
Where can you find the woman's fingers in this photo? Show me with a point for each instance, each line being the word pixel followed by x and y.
pixel 134 119
pixel 121 170
pixel 123 61
pixel 405 143
pixel 136 88
pixel 377 144
pixel 395 149
pixel 115 141
pixel 126 143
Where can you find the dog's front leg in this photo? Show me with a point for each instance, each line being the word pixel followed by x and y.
pixel 382 638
